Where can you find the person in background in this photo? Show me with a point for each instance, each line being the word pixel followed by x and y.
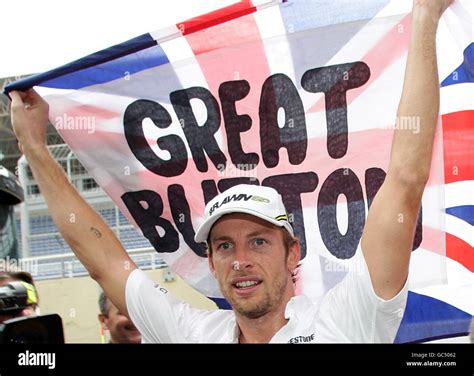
pixel 120 327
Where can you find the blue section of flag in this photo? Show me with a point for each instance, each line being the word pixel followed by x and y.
pixel 111 70
pixel 115 62
pixel 427 319
pixel 302 15
pixel 221 303
pixel 466 213
pixel 465 72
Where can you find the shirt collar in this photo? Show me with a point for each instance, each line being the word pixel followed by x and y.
pixel 295 304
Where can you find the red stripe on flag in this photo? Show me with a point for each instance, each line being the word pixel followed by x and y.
pixel 222 58
pixel 458 136
pixel 456 249
pixel 460 251
pixel 216 17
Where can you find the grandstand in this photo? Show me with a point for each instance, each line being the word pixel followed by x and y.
pixel 40 243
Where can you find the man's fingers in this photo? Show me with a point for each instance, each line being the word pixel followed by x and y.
pixel 33 98
pixel 32 95
pixel 27 99
pixel 17 99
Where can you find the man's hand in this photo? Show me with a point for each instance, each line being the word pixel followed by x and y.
pixel 29 113
pixel 435 7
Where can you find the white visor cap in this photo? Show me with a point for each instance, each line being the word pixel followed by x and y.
pixel 262 202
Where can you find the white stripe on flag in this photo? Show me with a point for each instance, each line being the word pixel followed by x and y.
pixel 277 50
pixel 454 36
pixel 459 193
pixel 177 49
pixel 395 8
pixel 459 285
pixel 455 98
pixel 166 34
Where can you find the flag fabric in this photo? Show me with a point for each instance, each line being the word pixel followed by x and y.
pixel 300 96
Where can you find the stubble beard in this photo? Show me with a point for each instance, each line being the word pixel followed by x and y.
pixel 253 310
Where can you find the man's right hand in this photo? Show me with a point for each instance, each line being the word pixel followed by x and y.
pixel 29 114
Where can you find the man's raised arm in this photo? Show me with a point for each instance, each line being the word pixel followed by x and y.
pixel 93 242
pixel 388 235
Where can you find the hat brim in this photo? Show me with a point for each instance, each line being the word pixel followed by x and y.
pixel 203 231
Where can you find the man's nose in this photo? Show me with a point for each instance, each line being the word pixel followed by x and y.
pixel 242 258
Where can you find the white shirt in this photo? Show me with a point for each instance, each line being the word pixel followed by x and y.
pixel 349 312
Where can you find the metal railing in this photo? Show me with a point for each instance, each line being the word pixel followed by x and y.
pixel 68 266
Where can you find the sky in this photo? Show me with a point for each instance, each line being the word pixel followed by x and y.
pixel 39 35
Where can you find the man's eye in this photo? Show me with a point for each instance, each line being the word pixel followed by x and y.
pixel 225 246
pixel 259 241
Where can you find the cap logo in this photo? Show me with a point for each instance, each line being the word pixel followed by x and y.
pixel 282 217
pixel 228 199
pixel 260 199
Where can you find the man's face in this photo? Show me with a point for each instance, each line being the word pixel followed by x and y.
pixel 121 328
pixel 250 264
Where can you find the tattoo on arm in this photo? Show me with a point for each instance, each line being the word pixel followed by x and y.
pixel 96 232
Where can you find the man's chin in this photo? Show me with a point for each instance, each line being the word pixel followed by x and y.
pixel 133 336
pixel 249 310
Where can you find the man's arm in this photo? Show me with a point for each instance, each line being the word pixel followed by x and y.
pixel 389 232
pixel 93 242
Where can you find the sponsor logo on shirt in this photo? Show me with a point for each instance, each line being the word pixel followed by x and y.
pixel 302 339
pixel 159 288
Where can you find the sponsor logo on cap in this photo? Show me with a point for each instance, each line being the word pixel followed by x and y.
pixel 237 197
pixel 228 199
pixel 260 199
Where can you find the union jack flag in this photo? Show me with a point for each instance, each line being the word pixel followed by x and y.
pixel 298 95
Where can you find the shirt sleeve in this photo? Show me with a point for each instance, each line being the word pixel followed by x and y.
pixel 352 311
pixel 158 316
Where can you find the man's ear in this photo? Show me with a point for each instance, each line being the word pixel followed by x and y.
pixel 211 263
pixel 294 256
pixel 103 321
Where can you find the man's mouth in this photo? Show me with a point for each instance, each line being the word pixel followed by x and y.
pixel 131 328
pixel 246 284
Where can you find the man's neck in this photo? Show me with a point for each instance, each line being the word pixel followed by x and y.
pixel 262 329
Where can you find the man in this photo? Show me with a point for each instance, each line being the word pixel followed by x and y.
pixel 120 327
pixel 254 258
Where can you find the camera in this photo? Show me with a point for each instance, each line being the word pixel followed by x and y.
pixel 14 297
pixel 32 329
